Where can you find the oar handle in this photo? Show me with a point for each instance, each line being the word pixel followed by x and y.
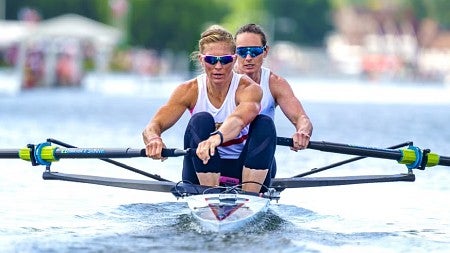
pixel 174 152
pixel 283 141
pixel 288 142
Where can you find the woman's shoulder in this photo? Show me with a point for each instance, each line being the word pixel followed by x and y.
pixel 279 86
pixel 187 90
pixel 247 85
pixel 275 78
pixel 245 80
pixel 188 84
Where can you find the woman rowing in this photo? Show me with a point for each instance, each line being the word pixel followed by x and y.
pixel 252 49
pixel 231 139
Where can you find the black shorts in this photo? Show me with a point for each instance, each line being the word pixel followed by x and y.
pixel 258 152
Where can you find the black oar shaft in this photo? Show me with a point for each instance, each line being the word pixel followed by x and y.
pixel 355 150
pixel 346 149
pixel 354 159
pixel 9 154
pixel 113 153
pixel 166 152
pixel 444 160
pixel 367 151
pixel 122 165
pixel 98 153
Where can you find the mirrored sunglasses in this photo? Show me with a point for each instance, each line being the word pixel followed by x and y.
pixel 252 51
pixel 224 59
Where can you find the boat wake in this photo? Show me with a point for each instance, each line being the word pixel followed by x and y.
pixel 169 227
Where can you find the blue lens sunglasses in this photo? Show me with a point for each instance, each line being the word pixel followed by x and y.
pixel 224 59
pixel 252 51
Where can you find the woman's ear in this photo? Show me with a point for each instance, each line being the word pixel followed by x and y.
pixel 200 60
pixel 266 51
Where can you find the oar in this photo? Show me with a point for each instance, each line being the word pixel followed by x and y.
pixel 354 159
pixel 44 153
pixel 413 157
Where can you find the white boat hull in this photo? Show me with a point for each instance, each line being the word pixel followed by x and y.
pixel 226 212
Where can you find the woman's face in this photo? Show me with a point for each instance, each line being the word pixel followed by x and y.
pixel 218 70
pixel 249 65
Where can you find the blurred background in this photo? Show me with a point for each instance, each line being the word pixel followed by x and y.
pixel 50 43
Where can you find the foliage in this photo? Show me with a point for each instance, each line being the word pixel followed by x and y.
pixel 174 24
pixel 94 9
pixel 434 9
pixel 244 12
pixel 301 21
pixel 177 24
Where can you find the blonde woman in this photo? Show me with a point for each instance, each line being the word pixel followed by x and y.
pixel 234 144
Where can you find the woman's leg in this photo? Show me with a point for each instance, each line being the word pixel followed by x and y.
pixel 198 129
pixel 259 154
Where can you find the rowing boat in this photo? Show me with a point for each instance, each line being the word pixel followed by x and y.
pixel 224 212
pixel 224 208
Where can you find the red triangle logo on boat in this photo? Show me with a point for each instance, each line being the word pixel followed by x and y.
pixel 224 211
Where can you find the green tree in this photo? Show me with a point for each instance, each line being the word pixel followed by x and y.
pixel 300 21
pixel 174 24
pixel 94 9
pixel 244 12
pixel 436 9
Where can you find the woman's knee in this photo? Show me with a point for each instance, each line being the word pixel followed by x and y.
pixel 263 129
pixel 198 129
pixel 263 124
pixel 261 143
pixel 202 118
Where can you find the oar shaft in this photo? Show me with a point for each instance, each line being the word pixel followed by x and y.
pixel 413 157
pixel 44 153
pixel 316 170
pixel 113 153
pixel 346 149
pixel 355 150
pixel 111 161
pixel 444 160
pixel 9 154
pixel 98 153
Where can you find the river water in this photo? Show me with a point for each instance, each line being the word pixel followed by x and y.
pixel 55 216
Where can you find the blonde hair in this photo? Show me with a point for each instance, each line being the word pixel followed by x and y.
pixel 214 33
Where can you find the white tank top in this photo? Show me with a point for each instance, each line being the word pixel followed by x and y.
pixel 267 102
pixel 233 148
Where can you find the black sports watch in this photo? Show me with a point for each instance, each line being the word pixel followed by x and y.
pixel 219 133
